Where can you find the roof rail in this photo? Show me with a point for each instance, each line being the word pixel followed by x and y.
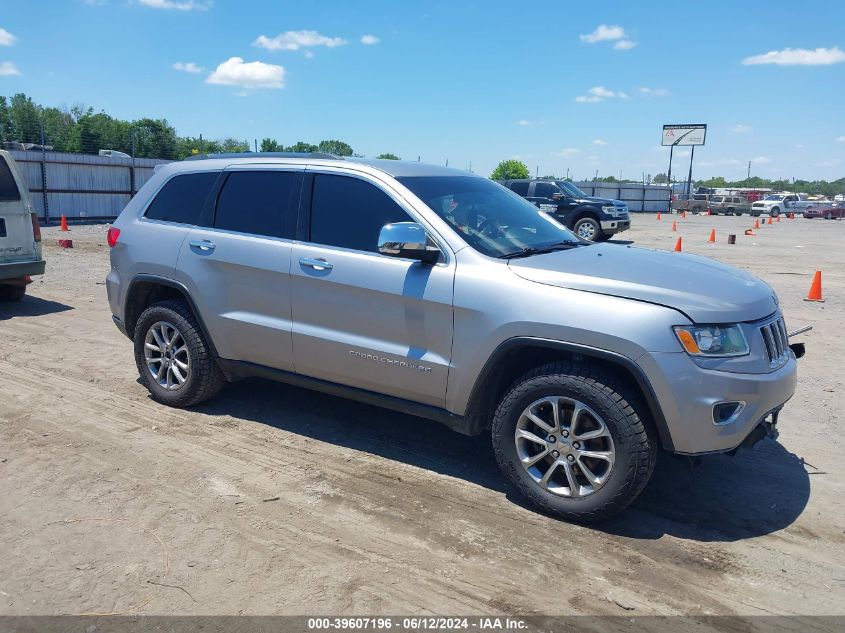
pixel 322 155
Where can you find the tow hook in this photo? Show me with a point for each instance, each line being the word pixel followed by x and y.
pixel 798 348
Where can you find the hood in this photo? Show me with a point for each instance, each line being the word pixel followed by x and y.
pixel 703 289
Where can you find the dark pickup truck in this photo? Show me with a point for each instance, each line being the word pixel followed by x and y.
pixel 593 219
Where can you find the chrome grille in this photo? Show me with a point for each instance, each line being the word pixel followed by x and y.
pixel 776 341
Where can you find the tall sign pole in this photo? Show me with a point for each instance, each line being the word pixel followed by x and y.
pixel 669 175
pixel 689 176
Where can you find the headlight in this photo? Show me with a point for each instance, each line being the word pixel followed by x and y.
pixel 609 208
pixel 712 340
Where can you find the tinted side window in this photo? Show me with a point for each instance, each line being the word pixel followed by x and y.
pixel 255 202
pixel 182 197
pixel 8 187
pixel 350 213
pixel 520 187
pixel 544 190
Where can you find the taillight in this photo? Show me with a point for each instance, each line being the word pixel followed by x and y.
pixel 36 228
pixel 112 236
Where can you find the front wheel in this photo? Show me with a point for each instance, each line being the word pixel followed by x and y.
pixel 829 216
pixel 775 212
pixel 571 439
pixel 174 360
pixel 588 229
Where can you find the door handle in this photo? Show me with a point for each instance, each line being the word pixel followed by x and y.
pixel 203 245
pixel 316 264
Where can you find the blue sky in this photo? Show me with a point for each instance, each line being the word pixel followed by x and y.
pixel 578 85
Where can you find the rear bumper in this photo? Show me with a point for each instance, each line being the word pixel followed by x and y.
pixel 688 394
pixel 19 270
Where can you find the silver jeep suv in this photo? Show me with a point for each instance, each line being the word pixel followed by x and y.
pixel 444 295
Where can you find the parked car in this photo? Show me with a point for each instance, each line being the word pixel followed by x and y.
pixel 20 233
pixel 729 205
pixel 591 218
pixel 834 211
pixel 778 203
pixel 697 203
pixel 442 294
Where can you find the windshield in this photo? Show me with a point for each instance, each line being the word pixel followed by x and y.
pixel 492 219
pixel 571 189
pixel 717 199
pixel 774 197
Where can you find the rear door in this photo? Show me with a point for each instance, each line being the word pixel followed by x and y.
pixel 17 242
pixel 236 265
pixel 362 319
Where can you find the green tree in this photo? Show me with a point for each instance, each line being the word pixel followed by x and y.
pixel 25 119
pixel 302 146
pixel 660 179
pixel 271 145
pixel 233 146
pixel 508 169
pixel 388 156
pixel 338 148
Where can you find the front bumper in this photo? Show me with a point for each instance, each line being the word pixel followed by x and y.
pixel 19 270
pixel 610 227
pixel 688 393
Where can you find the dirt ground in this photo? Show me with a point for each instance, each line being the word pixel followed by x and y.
pixel 276 500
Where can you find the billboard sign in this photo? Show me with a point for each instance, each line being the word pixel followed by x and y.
pixel 692 134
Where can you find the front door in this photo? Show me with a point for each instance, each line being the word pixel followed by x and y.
pixel 362 319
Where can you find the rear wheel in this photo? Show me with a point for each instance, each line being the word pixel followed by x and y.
pixel 588 228
pixel 174 360
pixel 829 216
pixel 570 438
pixel 12 292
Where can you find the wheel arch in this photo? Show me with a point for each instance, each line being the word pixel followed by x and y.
pixel 519 355
pixel 145 290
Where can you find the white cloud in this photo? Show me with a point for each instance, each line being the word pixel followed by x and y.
pixel 178 5
pixel 188 67
pixel 369 40
pixel 654 92
pixel 8 69
pixel 528 123
pixel 599 141
pixel 722 162
pixel 604 33
pixel 6 38
pixel 829 163
pixel 567 152
pixel 308 54
pixel 840 139
pixel 294 40
pixel 761 160
pixel 624 45
pixel 741 128
pixel 236 72
pixel 600 93
pixel 798 57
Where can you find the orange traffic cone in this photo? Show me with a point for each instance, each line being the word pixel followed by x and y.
pixel 712 239
pixel 658 215
pixel 709 213
pixel 674 226
pixel 816 288
pixel 749 232
pixel 770 219
pixel 63 225
pixel 778 219
pixel 678 246
pixel 683 215
pixel 791 215
pixel 757 223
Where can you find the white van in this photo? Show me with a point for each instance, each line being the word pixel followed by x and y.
pixel 20 234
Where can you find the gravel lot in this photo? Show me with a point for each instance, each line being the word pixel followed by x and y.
pixel 275 500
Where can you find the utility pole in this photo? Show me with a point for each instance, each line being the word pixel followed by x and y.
pixel 256 145
pixel 689 177
pixel 44 176
pixel 748 177
pixel 200 148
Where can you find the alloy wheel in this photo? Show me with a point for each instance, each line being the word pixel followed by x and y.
pixel 167 356
pixel 564 446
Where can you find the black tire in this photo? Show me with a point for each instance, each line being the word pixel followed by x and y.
pixel 588 225
pixel 829 216
pixel 729 211
pixel 12 292
pixel 775 212
pixel 205 378
pixel 634 441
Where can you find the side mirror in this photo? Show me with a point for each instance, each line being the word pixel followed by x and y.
pixel 558 196
pixel 407 240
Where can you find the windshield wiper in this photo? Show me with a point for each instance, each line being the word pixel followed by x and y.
pixel 528 251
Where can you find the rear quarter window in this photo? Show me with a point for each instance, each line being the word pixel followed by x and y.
pixel 182 198
pixel 8 187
